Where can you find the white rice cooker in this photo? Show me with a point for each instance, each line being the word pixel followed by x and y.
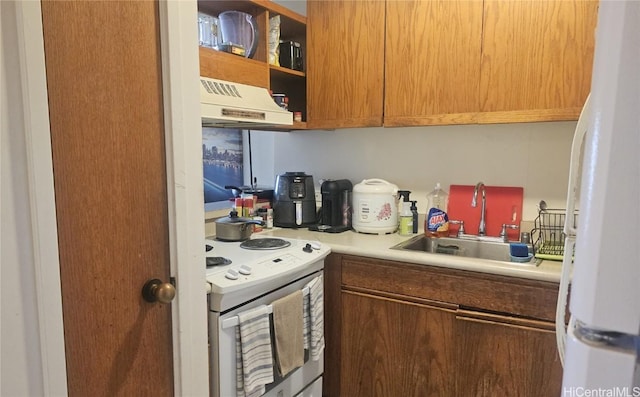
pixel 375 208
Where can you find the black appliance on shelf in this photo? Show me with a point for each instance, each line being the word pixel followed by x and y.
pixel 291 55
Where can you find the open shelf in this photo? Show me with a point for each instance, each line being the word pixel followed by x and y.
pixel 257 71
pixel 282 71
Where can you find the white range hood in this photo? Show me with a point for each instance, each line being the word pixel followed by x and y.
pixel 227 104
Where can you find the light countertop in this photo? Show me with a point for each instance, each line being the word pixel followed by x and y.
pixel 379 246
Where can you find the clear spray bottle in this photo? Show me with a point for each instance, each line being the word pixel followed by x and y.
pixel 405 226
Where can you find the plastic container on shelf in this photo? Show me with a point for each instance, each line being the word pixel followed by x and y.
pixel 436 222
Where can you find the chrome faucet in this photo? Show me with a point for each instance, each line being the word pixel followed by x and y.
pixel 482 228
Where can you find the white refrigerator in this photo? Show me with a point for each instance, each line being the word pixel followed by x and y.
pixel 602 345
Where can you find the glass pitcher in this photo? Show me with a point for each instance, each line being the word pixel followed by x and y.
pixel 239 28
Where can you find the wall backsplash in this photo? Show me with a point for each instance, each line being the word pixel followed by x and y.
pixel 532 155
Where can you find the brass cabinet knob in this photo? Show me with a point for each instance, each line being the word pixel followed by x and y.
pixel 156 291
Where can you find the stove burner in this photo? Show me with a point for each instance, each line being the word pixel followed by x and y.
pixel 265 244
pixel 217 261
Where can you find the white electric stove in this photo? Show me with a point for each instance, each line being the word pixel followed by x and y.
pixel 240 279
pixel 253 272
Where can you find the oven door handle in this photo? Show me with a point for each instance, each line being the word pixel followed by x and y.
pixel 234 321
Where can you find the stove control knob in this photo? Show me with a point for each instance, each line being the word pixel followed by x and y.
pixel 307 248
pixel 244 269
pixel 231 274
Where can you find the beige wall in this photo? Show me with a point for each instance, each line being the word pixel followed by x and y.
pixel 532 155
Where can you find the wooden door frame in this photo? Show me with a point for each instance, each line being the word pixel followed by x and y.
pixel 44 233
pixel 183 134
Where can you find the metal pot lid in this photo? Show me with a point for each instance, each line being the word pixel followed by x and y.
pixel 234 218
pixel 375 186
pixel 238 190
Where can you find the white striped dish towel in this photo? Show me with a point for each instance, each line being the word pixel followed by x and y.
pixel 316 318
pixel 254 357
pixel 305 321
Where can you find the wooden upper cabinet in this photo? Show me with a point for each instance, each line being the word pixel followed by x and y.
pixel 432 62
pixel 536 59
pixel 345 52
pixel 418 62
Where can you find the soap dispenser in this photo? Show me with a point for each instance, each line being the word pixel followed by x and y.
pixel 403 196
pixel 414 215
pixel 406 220
pixel 404 212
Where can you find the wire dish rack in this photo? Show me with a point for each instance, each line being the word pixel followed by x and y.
pixel 548 234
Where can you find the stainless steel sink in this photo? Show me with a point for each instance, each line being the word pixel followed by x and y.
pixel 474 247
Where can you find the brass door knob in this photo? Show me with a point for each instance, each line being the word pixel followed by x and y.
pixel 156 291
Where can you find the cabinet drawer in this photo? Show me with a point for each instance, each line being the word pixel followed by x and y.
pixel 505 321
pixel 493 293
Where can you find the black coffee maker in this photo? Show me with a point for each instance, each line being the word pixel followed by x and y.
pixel 294 200
pixel 336 206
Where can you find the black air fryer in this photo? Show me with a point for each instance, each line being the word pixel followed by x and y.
pixel 294 202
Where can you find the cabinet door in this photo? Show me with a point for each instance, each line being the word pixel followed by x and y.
pixel 502 356
pixel 395 348
pixel 536 59
pixel 432 62
pixel 345 45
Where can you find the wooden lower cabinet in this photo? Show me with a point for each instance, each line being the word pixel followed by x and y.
pixel 397 336
pixel 396 348
pixel 497 357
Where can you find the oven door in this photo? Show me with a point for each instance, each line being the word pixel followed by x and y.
pixel 223 351
pixel 313 390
